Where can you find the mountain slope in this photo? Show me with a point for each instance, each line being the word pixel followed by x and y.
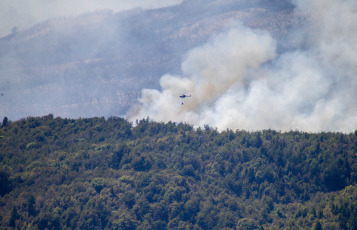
pixel 96 64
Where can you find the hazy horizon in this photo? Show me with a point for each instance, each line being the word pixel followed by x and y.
pixel 248 65
pixel 25 14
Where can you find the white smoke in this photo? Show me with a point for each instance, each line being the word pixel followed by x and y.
pixel 237 81
pixel 212 69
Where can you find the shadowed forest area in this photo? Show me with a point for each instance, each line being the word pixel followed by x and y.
pixel 98 173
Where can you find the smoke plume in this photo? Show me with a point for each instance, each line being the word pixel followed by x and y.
pixel 238 81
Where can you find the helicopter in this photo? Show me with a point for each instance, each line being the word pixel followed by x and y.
pixel 184 96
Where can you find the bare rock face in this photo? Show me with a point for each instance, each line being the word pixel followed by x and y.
pixel 96 64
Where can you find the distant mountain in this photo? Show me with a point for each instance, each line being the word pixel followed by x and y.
pixel 96 64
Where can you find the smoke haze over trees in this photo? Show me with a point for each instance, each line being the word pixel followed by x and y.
pixel 268 64
pixel 213 160
pixel 238 80
pixel 97 63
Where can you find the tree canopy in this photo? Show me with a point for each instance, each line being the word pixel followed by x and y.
pixel 97 173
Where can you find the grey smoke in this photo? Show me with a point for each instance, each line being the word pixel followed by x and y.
pixel 238 81
pixel 96 64
pixel 23 14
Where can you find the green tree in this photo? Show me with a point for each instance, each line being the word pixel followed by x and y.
pixel 4 121
pixel 5 183
pixel 30 206
pixel 317 226
pixel 13 217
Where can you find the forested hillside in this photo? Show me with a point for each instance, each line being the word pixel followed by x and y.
pixel 101 173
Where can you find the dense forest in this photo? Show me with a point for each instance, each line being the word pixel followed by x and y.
pixel 98 173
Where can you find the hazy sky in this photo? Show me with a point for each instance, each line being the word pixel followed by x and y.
pixel 26 13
